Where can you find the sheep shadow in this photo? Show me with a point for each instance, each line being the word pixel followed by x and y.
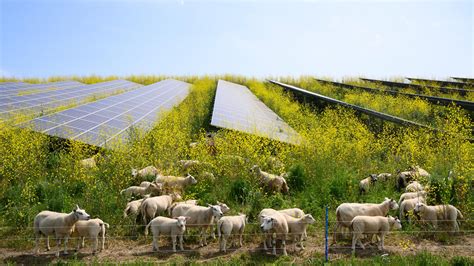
pixel 45 258
pixel 369 251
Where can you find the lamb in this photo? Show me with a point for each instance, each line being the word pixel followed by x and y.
pixel 372 225
pixel 419 171
pixel 414 187
pixel 153 206
pixel 173 227
pixel 271 182
pixel 293 212
pixel 176 181
pixel 187 165
pixel 90 229
pixel 409 205
pixel 412 195
pixel 228 225
pixel 60 224
pixel 199 216
pixel 433 214
pixel 153 189
pixel 147 171
pixel 145 184
pixel 365 183
pixel 274 223
pixel 347 211
pixel 384 176
pixel 297 227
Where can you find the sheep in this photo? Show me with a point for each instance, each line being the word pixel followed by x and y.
pixel 174 227
pixel 153 189
pixel 293 212
pixel 412 195
pixel 432 214
pixel 365 183
pixel 60 224
pixel 297 227
pixel 404 178
pixel 147 171
pixel 145 184
pixel 276 223
pixel 372 225
pixel 187 165
pixel 224 209
pixel 155 205
pixel 409 205
pixel 347 211
pixel 91 229
pixel 89 163
pixel 176 181
pixel 228 225
pixel 199 216
pixel 271 182
pixel 133 207
pixel 419 171
pixel 384 176
pixel 414 187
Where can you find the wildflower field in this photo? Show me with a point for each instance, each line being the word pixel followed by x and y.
pixel 340 148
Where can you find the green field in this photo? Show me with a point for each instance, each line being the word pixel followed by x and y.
pixel 38 173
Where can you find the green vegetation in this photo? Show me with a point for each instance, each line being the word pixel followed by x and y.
pixel 340 148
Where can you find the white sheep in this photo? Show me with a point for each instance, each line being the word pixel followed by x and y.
pixel 199 217
pixel 187 165
pixel 271 182
pixel 365 183
pixel 173 227
pixel 347 211
pixel 409 205
pixel 297 227
pixel 414 187
pixel 60 224
pixel 147 171
pixel 412 195
pixel 296 213
pixel 91 229
pixel 370 225
pixel 447 213
pixel 133 207
pixel 176 182
pixel 384 176
pixel 145 184
pixel 276 225
pixel 153 206
pixel 153 189
pixel 228 225
pixel 419 171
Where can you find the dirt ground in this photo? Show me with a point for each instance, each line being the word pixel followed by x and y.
pixel 140 250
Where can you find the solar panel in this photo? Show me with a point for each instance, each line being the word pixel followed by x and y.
pixel 466 80
pixel 109 121
pixel 7 85
pixel 19 90
pixel 456 84
pixel 41 102
pixel 236 108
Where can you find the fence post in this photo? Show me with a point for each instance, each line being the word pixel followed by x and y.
pixel 326 236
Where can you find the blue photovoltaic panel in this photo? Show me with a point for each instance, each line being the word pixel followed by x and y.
pixel 44 101
pixel 106 122
pixel 236 108
pixel 18 90
pixel 14 85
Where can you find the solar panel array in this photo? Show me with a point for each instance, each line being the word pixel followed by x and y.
pixel 44 101
pixel 106 122
pixel 6 85
pixel 236 108
pixel 19 89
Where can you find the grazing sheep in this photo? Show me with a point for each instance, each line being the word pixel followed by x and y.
pixel 419 171
pixel 153 189
pixel 199 217
pixel 297 227
pixel 176 182
pixel 228 225
pixel 274 223
pixel 147 171
pixel 271 182
pixel 173 227
pixel 89 163
pixel 414 187
pixel 133 207
pixel 433 214
pixel 60 224
pixel 409 205
pixel 347 211
pixel 145 184
pixel 384 176
pixel 379 225
pixel 412 195
pixel 187 165
pixel 153 206
pixel 293 212
pixel 365 183
pixel 90 229
pixel 404 178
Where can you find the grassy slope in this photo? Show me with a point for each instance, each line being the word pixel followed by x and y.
pixel 340 150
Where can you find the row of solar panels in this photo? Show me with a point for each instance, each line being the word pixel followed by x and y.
pixel 110 121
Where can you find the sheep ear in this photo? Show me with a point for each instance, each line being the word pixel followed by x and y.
pixel 77 207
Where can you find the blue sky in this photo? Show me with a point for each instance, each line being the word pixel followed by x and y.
pixel 256 38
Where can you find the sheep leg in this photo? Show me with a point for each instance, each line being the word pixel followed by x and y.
pixel 265 241
pixel 66 238
pixel 224 242
pixel 37 239
pixel 301 241
pixel 96 242
pixel 58 248
pixel 82 244
pixel 155 241
pixel 274 246
pixel 336 227
pixel 240 238
pixel 48 247
pixel 173 239
pixel 181 241
pixel 382 236
pixel 283 245
pixel 103 239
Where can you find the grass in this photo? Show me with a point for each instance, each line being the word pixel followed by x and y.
pixel 38 172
